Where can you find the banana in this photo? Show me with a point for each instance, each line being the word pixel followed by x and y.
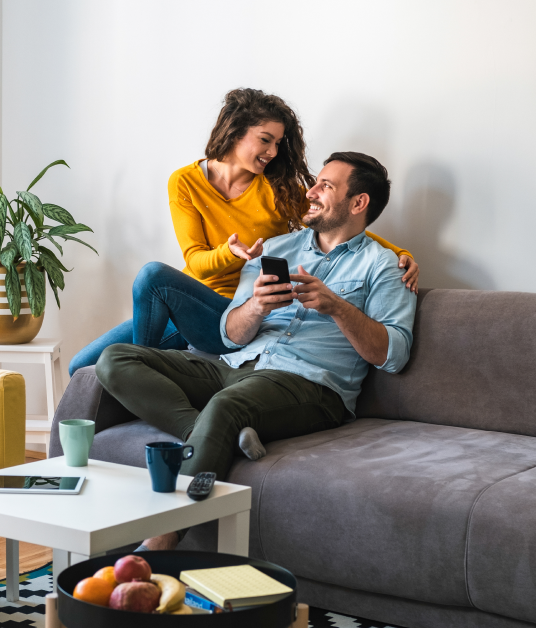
pixel 172 592
pixel 183 610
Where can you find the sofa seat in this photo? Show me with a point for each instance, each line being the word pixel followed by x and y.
pixel 394 508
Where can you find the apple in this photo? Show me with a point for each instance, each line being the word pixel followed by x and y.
pixel 138 596
pixel 131 568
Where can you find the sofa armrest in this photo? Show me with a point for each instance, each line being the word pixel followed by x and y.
pixel 12 418
pixel 85 398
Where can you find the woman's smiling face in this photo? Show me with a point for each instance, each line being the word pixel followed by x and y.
pixel 258 146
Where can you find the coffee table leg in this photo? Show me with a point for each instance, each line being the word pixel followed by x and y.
pixel 233 534
pixel 61 559
pixel 12 570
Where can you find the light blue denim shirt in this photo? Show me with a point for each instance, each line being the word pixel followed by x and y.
pixel 304 342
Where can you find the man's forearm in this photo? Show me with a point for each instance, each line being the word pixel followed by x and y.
pixel 368 337
pixel 243 323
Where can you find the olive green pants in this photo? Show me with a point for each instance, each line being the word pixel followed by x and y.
pixel 179 393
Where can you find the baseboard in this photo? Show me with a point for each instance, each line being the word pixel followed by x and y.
pixel 38 455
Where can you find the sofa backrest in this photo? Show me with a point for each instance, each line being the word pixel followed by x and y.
pixel 472 364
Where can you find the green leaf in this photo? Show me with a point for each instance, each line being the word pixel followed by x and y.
pixel 35 217
pixel 44 251
pixel 12 213
pixel 36 205
pixel 55 290
pixel 54 163
pixel 3 217
pixel 66 237
pixel 13 291
pixel 53 271
pixel 8 254
pixel 35 287
pixel 23 240
pixel 57 213
pixel 45 235
pixel 67 229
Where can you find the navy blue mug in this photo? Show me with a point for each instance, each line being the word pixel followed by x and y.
pixel 164 463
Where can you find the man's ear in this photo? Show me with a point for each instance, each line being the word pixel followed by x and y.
pixel 359 204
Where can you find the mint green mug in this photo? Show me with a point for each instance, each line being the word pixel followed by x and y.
pixel 76 437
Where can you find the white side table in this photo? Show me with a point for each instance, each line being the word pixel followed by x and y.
pixel 115 507
pixel 44 351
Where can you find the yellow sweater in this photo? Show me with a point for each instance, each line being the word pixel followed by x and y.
pixel 204 219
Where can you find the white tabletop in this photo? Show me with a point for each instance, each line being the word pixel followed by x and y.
pixel 116 506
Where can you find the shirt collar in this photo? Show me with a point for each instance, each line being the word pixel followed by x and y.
pixel 354 244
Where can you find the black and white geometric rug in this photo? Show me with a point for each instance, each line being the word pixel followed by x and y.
pixel 320 618
pixel 29 611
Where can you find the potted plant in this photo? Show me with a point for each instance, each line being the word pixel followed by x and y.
pixel 25 261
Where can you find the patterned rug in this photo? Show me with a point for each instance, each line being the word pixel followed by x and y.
pixel 30 609
pixel 33 586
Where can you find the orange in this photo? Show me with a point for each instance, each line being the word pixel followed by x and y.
pixel 106 573
pixel 94 590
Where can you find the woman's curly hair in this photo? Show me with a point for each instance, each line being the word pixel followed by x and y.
pixel 288 173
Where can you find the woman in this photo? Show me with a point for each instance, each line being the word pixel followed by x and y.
pixel 252 185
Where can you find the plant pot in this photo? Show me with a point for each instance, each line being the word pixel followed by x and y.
pixel 26 327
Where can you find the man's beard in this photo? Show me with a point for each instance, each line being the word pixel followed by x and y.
pixel 336 218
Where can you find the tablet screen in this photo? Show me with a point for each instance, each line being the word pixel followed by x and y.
pixel 38 482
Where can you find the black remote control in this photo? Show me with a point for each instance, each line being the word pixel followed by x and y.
pixel 201 486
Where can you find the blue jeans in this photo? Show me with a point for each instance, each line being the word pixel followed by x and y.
pixel 171 311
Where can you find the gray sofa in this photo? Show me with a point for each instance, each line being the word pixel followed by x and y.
pixel 421 513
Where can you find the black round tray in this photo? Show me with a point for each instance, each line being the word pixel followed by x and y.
pixel 74 613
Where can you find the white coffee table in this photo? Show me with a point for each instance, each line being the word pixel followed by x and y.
pixel 116 506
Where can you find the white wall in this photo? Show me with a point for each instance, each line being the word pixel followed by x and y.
pixel 126 91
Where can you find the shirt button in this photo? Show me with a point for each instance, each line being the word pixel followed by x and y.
pixel 266 352
pixel 342 289
pixel 328 259
pixel 288 333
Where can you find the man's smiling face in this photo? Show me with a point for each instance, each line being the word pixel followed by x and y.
pixel 329 205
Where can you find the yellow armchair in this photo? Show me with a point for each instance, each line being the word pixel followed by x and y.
pixel 12 418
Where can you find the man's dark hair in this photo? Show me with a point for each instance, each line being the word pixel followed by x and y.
pixel 368 176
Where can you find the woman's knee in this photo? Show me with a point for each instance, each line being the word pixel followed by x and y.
pixel 149 276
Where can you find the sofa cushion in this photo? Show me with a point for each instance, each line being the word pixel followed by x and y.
pixel 473 352
pixel 501 558
pixel 379 506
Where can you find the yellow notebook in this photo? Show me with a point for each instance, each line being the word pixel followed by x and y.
pixel 242 585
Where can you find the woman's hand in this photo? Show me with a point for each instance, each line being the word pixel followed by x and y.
pixel 412 272
pixel 239 249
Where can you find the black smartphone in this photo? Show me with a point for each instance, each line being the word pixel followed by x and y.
pixel 276 266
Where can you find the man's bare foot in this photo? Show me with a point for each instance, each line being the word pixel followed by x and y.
pixel 164 542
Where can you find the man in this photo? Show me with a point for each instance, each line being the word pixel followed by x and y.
pixel 299 367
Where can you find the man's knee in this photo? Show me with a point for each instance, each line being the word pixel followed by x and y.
pixel 110 359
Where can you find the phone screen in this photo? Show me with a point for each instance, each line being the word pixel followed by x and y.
pixel 276 266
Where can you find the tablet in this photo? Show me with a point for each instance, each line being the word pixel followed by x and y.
pixel 44 485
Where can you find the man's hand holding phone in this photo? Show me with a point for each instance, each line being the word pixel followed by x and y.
pixel 265 294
